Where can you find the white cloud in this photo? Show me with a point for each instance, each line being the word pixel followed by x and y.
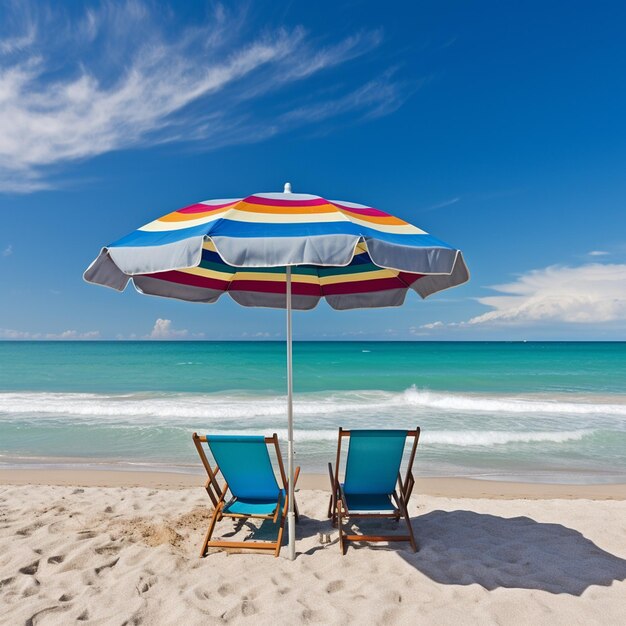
pixel 74 334
pixel 8 251
pixel 163 330
pixel 66 335
pixel 598 253
pixel 430 326
pixel 124 75
pixel 589 294
pixel 592 294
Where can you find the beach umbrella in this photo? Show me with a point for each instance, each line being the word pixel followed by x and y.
pixel 281 250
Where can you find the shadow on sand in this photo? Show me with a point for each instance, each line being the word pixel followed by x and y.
pixel 464 548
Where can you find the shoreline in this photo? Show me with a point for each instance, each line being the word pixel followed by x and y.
pixel 448 487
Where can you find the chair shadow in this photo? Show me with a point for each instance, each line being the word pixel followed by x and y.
pixel 465 548
pixel 255 530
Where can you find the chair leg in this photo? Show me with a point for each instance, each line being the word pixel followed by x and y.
pixel 342 546
pixel 279 539
pixel 281 528
pixel 207 537
pixel 405 514
pixel 332 503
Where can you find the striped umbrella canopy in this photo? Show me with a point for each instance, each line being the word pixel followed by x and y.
pixel 281 250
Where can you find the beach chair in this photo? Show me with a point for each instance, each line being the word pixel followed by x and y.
pixel 246 468
pixel 373 486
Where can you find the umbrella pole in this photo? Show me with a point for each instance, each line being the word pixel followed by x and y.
pixel 291 518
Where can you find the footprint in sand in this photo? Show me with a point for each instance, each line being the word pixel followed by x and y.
pixel 145 585
pixel 55 560
pixel 109 550
pixel 113 563
pixel 335 586
pixel 224 590
pixel 247 608
pixel 30 569
pixel 86 534
pixel 28 530
pixel 202 594
pixel 307 615
pixel 66 597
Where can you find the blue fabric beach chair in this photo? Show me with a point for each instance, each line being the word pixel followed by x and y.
pixel 373 486
pixel 246 467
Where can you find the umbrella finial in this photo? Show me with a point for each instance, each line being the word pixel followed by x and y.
pixel 287 188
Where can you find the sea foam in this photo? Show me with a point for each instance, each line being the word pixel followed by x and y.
pixel 230 406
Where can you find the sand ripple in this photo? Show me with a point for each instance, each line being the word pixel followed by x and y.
pixel 129 556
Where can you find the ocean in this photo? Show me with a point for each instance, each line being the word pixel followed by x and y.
pixel 535 411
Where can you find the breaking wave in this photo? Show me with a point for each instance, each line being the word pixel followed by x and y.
pixel 498 404
pixel 232 406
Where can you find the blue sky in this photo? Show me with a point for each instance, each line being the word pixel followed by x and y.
pixel 498 127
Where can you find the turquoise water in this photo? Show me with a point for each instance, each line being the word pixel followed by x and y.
pixel 537 411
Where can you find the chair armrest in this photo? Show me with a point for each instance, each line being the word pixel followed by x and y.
pixel 296 475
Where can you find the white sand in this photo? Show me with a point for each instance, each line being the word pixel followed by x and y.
pixel 128 555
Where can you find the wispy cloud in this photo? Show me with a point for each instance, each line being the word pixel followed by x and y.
pixel 374 99
pixel 441 205
pixel 594 293
pixel 123 75
pixel 7 251
pixel 598 253
pixel 429 326
pixel 259 335
pixel 66 335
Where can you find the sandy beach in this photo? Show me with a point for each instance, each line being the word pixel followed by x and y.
pixel 97 548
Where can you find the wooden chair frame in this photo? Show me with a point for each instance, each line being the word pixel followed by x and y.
pixel 338 508
pixel 217 496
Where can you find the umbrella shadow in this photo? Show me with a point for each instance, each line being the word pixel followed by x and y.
pixel 465 548
pixel 311 527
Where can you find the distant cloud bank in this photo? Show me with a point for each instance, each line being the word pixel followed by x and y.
pixel 67 335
